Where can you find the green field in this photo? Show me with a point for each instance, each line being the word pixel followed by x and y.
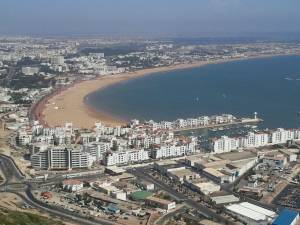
pixel 8 217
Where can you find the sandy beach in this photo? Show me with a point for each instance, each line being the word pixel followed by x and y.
pixel 68 105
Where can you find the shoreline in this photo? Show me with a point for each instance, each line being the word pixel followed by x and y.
pixel 68 103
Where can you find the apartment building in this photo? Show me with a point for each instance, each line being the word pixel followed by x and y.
pixel 126 157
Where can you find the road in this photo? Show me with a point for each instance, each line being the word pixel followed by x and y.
pixel 10 171
pixel 13 176
pixel 189 202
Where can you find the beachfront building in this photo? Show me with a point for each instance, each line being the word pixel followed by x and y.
pixel 193 122
pixel 97 149
pixel 126 157
pixel 224 144
pixel 174 150
pixel 61 158
pixel 281 135
pixel 253 140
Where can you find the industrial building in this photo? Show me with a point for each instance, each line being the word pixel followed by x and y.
pixel 251 214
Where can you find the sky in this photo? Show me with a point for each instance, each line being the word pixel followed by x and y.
pixel 149 17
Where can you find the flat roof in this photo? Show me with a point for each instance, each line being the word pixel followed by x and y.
pixel 115 169
pixel 182 172
pixel 286 217
pixel 251 211
pixel 225 199
pixel 216 164
pixel 214 172
pixel 206 185
pixel 236 156
pixel 165 162
pixel 258 208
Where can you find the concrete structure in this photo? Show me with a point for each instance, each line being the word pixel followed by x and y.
pixel 203 186
pixel 225 199
pixel 167 166
pixel 183 175
pixel 160 203
pixel 61 158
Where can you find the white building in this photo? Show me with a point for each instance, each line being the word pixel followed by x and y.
pixel 29 71
pixel 167 151
pixel 253 140
pixel 57 60
pixel 61 158
pixel 126 157
pixel 224 144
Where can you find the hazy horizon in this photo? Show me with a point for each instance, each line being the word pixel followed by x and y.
pixel 155 18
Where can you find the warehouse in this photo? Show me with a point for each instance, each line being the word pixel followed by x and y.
pixel 251 214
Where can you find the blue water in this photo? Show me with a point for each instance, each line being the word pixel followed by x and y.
pixel 269 86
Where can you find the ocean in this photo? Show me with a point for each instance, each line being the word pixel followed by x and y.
pixel 268 86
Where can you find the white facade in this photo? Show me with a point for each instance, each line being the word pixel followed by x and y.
pixel 167 151
pixel 224 144
pixel 253 140
pixel 29 71
pixel 125 157
pixel 57 158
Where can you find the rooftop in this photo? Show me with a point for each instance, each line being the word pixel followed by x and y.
pixel 251 211
pixel 236 156
pixel 286 217
pixel 182 173
pixel 225 199
pixel 72 182
pixel 214 172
